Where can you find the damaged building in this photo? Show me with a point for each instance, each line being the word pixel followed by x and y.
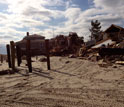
pixel 110 48
pixel 37 44
pixel 116 33
pixel 61 45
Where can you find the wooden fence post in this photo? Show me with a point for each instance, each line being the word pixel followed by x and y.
pixel 47 53
pixel 28 46
pixel 1 58
pixel 8 55
pixel 18 53
pixel 12 54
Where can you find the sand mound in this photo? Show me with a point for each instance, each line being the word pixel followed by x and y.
pixel 71 83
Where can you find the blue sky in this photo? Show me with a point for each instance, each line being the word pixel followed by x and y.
pixel 42 16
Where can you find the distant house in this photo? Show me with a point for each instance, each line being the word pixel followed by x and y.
pixel 37 44
pixel 116 33
pixel 61 40
pixel 65 44
pixel 66 41
pixel 58 41
pixel 110 36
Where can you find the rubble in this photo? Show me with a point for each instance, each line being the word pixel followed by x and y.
pixel 43 59
pixel 67 62
pixel 94 57
pixel 106 58
pixel 108 50
pixel 101 63
pixel 105 50
pixel 71 56
pixel 65 45
pixel 120 62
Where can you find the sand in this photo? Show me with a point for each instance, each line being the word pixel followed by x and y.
pixel 71 82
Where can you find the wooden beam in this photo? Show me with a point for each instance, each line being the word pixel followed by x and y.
pixel 1 58
pixel 12 54
pixel 27 33
pixel 119 34
pixel 8 55
pixel 47 54
pixel 18 53
pixel 28 56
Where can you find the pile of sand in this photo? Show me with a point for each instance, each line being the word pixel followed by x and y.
pixel 71 82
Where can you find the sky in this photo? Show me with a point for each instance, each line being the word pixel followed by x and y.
pixel 53 17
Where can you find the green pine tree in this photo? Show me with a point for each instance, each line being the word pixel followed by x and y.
pixel 95 30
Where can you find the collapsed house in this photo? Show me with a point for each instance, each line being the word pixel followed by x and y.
pixel 116 33
pixel 104 43
pixel 112 35
pixel 110 45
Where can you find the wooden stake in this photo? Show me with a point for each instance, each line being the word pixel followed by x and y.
pixel 27 33
pixel 28 56
pixel 47 54
pixel 8 55
pixel 18 52
pixel 1 58
pixel 12 54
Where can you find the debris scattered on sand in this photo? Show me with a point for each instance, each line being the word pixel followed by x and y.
pixel 43 59
pixel 67 62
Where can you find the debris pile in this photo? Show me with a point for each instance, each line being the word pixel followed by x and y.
pixel 65 45
pixel 105 55
pixel 108 50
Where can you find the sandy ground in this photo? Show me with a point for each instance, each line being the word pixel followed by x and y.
pixel 71 83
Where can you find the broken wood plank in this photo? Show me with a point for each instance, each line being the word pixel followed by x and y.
pixel 120 62
pixel 18 53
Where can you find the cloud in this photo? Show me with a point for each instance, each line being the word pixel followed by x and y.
pixel 33 11
pixel 28 14
pixel 109 3
pixel 102 10
pixel 3 16
pixel 37 16
pixel 112 9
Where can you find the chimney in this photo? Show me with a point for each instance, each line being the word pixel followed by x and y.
pixel 27 33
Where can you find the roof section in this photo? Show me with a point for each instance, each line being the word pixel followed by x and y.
pixel 34 37
pixel 114 28
pixel 105 42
